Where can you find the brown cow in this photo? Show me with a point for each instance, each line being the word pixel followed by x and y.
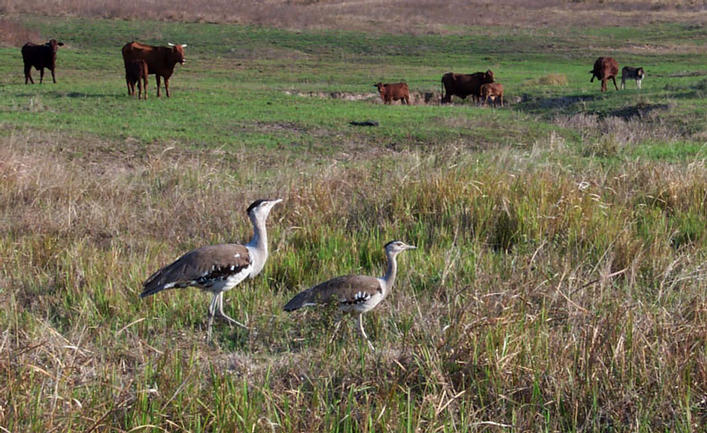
pixel 136 72
pixel 393 91
pixel 464 85
pixel 160 60
pixel 493 91
pixel 605 68
pixel 40 57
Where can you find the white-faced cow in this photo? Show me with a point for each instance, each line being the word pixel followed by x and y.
pixel 605 68
pixel 630 73
pixel 40 57
pixel 463 85
pixel 160 60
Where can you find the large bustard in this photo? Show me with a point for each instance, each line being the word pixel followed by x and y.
pixel 217 268
pixel 354 293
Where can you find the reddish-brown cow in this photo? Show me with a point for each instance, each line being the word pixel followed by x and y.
pixel 40 57
pixel 605 68
pixel 493 91
pixel 160 60
pixel 464 85
pixel 136 72
pixel 394 91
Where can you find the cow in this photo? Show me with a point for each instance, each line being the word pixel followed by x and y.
pixel 493 91
pixel 463 85
pixel 136 72
pixel 393 91
pixel 629 73
pixel 605 68
pixel 160 60
pixel 40 57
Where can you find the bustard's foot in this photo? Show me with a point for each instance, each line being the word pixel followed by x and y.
pixel 235 322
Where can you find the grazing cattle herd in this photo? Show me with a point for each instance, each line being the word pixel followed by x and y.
pixel 141 60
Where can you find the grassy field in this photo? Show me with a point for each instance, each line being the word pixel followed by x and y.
pixel 559 282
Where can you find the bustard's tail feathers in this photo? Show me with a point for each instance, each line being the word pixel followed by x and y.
pixel 302 299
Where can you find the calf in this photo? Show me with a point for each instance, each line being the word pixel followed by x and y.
pixel 629 73
pixel 40 57
pixel 394 91
pixel 493 91
pixel 136 71
pixel 605 68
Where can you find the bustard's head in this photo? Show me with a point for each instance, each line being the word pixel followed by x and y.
pixel 392 248
pixel 259 210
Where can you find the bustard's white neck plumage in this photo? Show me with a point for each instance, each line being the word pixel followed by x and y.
pixel 217 268
pixel 354 293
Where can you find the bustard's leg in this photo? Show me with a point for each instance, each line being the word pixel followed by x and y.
pixel 338 320
pixel 220 310
pixel 212 312
pixel 360 326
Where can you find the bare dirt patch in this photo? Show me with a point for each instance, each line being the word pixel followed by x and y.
pixel 416 98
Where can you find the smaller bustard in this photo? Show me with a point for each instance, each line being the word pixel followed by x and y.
pixel 354 293
pixel 217 268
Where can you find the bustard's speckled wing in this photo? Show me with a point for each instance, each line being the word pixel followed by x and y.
pixel 345 290
pixel 201 268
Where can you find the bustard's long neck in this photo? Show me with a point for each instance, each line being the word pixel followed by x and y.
pixel 389 277
pixel 258 244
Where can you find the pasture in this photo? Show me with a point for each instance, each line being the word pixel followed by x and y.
pixel 559 281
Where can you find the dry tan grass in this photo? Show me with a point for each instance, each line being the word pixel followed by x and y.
pixel 380 15
pixel 13 33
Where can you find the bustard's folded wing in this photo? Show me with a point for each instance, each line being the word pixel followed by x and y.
pixel 198 266
pixel 349 289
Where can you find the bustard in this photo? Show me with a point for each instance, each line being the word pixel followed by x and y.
pixel 354 293
pixel 217 268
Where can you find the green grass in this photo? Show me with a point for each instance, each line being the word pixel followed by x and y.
pixel 558 284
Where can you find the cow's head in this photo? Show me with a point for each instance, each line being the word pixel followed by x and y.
pixel 379 86
pixel 53 44
pixel 178 52
pixel 489 75
pixel 640 73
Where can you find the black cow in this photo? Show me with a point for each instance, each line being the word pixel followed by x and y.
pixel 40 56
pixel 464 85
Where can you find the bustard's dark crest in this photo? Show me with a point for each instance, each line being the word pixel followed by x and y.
pixel 256 204
pixel 391 243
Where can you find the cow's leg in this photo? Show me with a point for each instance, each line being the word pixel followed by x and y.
pixel 638 83
pixel 614 80
pixel 501 100
pixel 127 84
pixel 41 75
pixel 166 86
pixel 28 74
pixel 157 78
pixel 603 85
pixel 144 87
pixel 53 77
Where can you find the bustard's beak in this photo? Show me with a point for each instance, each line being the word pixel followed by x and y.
pixel 274 202
pixel 411 247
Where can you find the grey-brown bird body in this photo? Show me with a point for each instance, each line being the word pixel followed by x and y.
pixel 350 292
pixel 218 268
pixel 353 293
pixel 214 268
